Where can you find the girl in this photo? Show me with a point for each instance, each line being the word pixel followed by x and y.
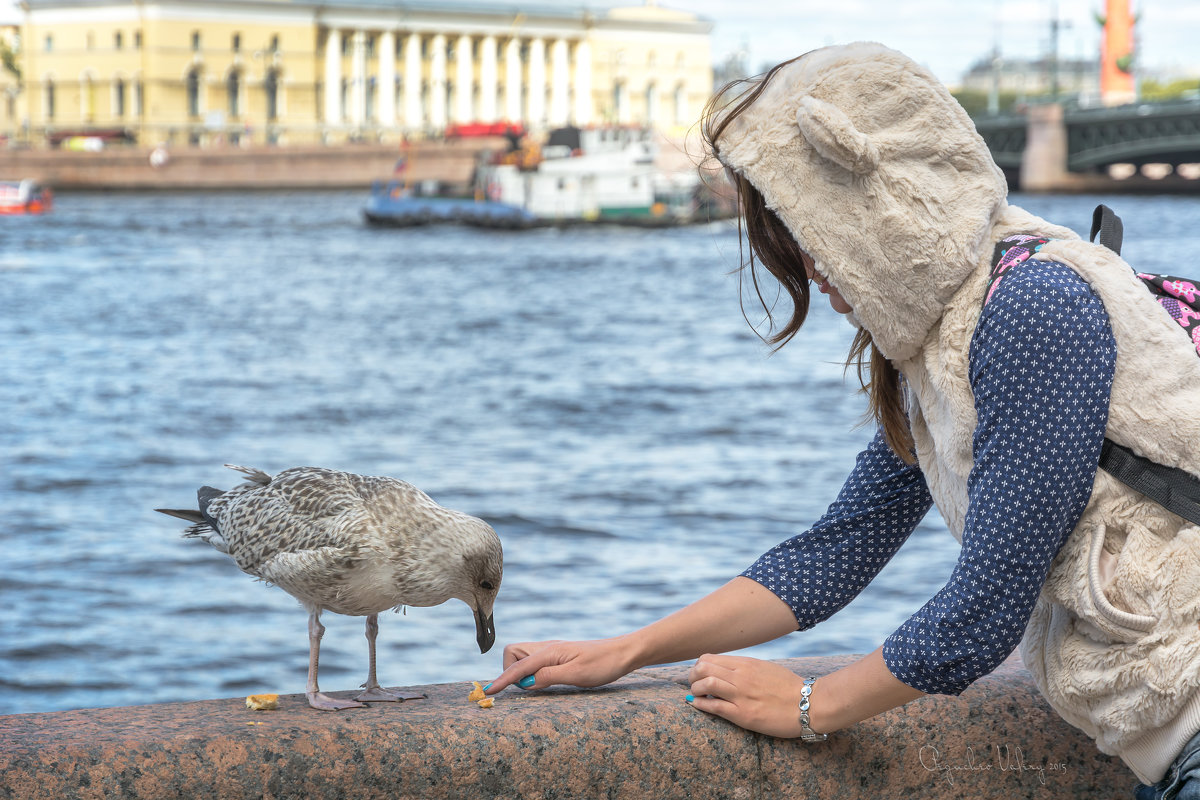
pixel 856 170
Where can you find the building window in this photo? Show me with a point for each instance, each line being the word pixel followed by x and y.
pixel 345 43
pixel 119 97
pixel 118 41
pixel 233 86
pixel 195 41
pixel 681 110
pixel 193 93
pixel 237 43
pixel 87 98
pixel 139 99
pixel 49 99
pixel 91 41
pixel 48 43
pixel 137 40
pixel 275 44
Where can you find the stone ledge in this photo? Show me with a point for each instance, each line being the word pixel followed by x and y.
pixel 634 739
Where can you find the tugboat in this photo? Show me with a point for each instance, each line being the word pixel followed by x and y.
pixel 24 197
pixel 580 176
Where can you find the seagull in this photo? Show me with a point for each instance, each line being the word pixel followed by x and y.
pixel 355 545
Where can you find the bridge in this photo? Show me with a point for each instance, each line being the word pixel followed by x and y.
pixel 1051 149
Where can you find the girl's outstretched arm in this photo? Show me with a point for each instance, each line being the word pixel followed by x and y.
pixel 739 614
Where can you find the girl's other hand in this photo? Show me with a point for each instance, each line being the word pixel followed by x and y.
pixel 757 695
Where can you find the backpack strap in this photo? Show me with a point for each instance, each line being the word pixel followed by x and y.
pixel 1009 252
pixel 1173 489
pixel 1106 223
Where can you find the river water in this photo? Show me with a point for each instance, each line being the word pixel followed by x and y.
pixel 594 394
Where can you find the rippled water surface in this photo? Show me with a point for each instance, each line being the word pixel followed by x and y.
pixel 595 394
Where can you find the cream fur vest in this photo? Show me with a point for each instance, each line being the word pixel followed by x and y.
pixel 881 177
pixel 1114 641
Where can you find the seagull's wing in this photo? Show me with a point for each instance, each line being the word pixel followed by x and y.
pixel 316 577
pixel 302 510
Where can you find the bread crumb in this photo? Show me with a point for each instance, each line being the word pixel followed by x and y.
pixel 477 693
pixel 262 702
pixel 487 702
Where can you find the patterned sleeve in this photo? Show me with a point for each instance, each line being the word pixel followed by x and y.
pixel 821 570
pixel 1041 369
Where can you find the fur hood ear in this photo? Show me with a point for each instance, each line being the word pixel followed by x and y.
pixel 880 176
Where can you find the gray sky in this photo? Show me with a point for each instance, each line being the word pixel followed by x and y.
pixel 947 36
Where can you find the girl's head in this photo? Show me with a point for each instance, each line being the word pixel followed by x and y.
pixel 855 163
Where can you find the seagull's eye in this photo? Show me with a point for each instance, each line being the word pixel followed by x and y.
pixel 486 586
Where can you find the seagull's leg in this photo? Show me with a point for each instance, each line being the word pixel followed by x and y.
pixel 373 691
pixel 315 699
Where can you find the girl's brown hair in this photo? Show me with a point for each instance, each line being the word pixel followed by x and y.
pixel 772 244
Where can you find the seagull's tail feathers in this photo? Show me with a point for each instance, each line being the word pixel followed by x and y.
pixel 182 513
pixel 252 475
pixel 201 527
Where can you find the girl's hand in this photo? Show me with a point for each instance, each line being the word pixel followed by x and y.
pixel 590 663
pixel 757 695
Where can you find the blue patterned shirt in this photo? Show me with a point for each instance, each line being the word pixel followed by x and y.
pixel 1041 368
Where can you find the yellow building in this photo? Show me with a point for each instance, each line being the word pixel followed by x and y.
pixel 296 71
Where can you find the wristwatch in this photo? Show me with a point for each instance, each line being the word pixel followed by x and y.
pixel 807 734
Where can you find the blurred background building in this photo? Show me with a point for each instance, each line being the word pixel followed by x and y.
pixel 301 71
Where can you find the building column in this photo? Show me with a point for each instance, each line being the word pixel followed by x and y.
pixel 536 110
pixel 512 81
pixel 464 80
pixel 437 82
pixel 487 79
pixel 560 82
pixel 333 77
pixel 385 101
pixel 583 84
pixel 358 78
pixel 414 118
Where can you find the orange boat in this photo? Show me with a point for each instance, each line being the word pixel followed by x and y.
pixel 24 197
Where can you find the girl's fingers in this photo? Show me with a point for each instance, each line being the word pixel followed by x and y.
pixel 710 666
pixel 712 705
pixel 522 669
pixel 714 686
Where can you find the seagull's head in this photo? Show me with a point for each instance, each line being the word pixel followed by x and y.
pixel 482 569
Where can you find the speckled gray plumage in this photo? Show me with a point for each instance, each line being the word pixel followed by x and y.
pixel 349 543
pixel 353 545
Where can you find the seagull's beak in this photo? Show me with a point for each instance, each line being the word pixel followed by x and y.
pixel 485 630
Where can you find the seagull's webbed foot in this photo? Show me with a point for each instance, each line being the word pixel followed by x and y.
pixel 316 699
pixel 377 693
pixel 372 690
pixel 326 703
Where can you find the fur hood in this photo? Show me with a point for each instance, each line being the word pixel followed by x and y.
pixel 880 176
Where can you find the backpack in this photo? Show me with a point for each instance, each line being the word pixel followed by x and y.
pixel 1175 489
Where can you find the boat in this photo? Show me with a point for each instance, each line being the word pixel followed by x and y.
pixel 397 203
pixel 579 176
pixel 24 197
pixel 592 175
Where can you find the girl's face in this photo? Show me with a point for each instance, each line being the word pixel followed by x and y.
pixel 836 301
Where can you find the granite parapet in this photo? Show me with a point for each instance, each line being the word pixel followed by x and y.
pixel 636 738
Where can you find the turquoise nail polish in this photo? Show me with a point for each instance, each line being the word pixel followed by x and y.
pixel 690 698
pixel 488 686
pixel 527 681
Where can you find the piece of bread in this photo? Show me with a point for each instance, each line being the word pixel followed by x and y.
pixel 262 702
